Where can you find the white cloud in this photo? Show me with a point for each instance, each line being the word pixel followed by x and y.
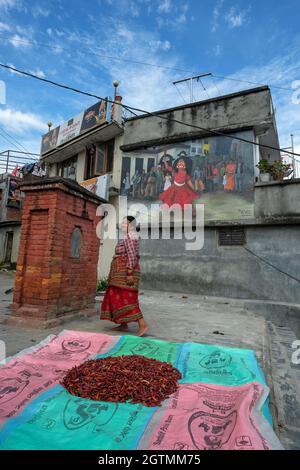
pixel 39 11
pixel 134 10
pixel 217 50
pixel 49 31
pixel 19 122
pixel 216 15
pixel 8 4
pixel 59 33
pixel 18 41
pixel 4 27
pixel 125 33
pixel 38 72
pixel 235 18
pixel 176 20
pixel 163 45
pixel 181 18
pixel 57 49
pixel 164 6
pixel 13 71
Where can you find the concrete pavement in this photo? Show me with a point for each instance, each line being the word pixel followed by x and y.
pixel 192 318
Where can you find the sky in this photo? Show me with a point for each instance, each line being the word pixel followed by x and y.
pixel 88 44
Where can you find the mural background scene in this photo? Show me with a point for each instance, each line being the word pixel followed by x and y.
pixel 217 172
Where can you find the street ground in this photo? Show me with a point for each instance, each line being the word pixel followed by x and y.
pixel 192 318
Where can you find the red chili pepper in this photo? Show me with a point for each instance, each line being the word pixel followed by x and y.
pixel 135 379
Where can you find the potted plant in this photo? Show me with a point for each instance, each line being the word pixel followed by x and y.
pixel 101 287
pixel 264 167
pixel 280 169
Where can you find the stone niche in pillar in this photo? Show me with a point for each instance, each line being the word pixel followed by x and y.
pixel 57 265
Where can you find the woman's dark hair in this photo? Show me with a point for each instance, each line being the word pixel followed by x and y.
pixel 132 220
pixel 188 164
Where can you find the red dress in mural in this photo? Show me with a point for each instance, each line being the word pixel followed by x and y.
pixel 181 191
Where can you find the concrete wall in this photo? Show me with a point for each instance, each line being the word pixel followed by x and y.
pixel 107 249
pixel 53 170
pixel 80 173
pixel 117 167
pixel 251 108
pixel 278 199
pixel 227 271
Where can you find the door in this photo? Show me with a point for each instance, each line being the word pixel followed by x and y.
pixel 8 246
pixel 139 164
pixel 150 164
pixel 125 169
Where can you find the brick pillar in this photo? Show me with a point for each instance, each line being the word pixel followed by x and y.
pixel 57 264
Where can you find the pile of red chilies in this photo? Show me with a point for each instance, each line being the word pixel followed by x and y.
pixel 134 379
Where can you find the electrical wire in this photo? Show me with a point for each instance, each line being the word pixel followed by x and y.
pixel 11 137
pixel 180 93
pixel 271 265
pixel 122 59
pixel 148 113
pixel 199 79
pixel 9 141
pixel 215 84
pixel 250 82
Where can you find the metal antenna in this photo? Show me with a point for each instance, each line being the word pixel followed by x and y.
pixel 190 80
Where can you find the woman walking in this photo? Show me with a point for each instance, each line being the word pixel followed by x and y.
pixel 120 303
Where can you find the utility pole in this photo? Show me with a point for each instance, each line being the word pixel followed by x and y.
pixel 293 157
pixel 190 80
pixel 292 148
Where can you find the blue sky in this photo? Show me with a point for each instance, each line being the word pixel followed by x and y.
pixel 74 42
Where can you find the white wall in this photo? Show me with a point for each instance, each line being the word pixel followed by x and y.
pixel 80 173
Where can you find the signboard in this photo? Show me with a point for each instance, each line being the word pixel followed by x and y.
pixel 98 185
pixel 95 115
pixel 69 130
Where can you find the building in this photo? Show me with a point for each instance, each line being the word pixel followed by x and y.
pixel 86 149
pixel 16 165
pixel 250 227
pixel 10 219
pixel 101 154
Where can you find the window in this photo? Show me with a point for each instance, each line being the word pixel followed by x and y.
pixel 90 162
pixel 67 168
pixel 110 156
pixel 99 159
pixel 9 237
pixel 100 164
pixel 125 169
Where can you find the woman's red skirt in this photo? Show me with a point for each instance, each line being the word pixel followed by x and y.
pixel 178 195
pixel 120 303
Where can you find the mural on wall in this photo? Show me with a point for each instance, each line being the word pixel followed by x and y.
pixel 217 172
pixel 14 195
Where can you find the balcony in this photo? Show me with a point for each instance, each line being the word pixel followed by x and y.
pixel 99 135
